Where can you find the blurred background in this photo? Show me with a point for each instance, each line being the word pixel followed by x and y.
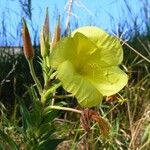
pixel 119 16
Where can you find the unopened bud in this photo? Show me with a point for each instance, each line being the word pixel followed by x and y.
pixel 46 24
pixel 56 36
pixel 45 37
pixel 27 45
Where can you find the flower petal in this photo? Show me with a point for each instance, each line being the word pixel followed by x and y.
pixel 108 81
pixel 86 94
pixel 83 44
pixel 84 49
pixel 64 50
pixel 110 48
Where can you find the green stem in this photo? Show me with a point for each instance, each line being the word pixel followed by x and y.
pixel 64 108
pixel 37 82
pixel 145 145
pixel 48 78
pixel 44 71
pixel 52 75
pixel 62 96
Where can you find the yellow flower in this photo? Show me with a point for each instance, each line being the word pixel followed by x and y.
pixel 87 65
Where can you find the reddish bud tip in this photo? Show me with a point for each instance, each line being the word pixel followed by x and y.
pixel 45 37
pixel 56 36
pixel 27 45
pixel 46 23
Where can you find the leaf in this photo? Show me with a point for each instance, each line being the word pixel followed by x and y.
pixel 8 140
pixel 49 116
pixel 36 106
pixel 50 144
pixel 36 115
pixel 146 135
pixel 89 114
pixel 45 131
pixel 26 118
pixel 2 147
pixel 87 95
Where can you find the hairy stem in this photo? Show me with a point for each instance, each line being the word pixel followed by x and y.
pixel 65 109
pixel 37 82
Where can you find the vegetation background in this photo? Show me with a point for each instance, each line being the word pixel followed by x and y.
pixel 129 115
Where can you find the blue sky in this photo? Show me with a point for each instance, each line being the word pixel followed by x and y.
pixel 103 13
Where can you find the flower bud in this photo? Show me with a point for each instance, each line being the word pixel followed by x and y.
pixel 46 24
pixel 45 37
pixel 27 45
pixel 56 36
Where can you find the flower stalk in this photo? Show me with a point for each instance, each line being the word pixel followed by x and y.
pixel 29 53
pixel 37 82
pixel 64 108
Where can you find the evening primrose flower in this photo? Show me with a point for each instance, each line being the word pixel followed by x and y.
pixel 87 65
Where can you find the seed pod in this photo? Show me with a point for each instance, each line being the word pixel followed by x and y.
pixel 27 45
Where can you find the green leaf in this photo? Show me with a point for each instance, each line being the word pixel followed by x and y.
pixel 8 140
pixel 36 115
pixel 2 147
pixel 49 116
pixel 50 144
pixel 36 106
pixel 26 118
pixel 146 135
pixel 87 95
pixel 45 131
